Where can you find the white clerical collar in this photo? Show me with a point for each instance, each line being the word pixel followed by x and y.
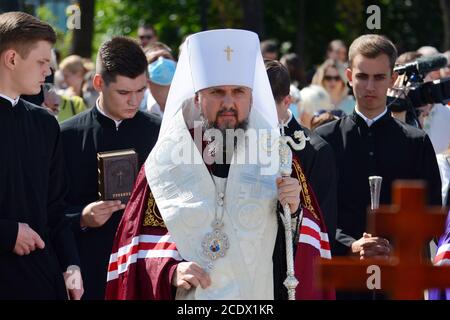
pixel 117 122
pixel 290 116
pixel 367 120
pixel 14 102
pixel 288 119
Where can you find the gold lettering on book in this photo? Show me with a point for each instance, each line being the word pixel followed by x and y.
pixel 123 194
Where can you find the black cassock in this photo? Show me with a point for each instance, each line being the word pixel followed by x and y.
pixel 84 136
pixel 388 148
pixel 32 190
pixel 447 203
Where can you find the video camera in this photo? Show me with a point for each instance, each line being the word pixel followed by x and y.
pixel 421 93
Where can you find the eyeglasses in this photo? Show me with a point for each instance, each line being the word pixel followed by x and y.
pixel 147 37
pixel 329 78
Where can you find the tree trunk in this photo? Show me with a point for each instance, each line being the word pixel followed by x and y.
pixel 82 38
pixel 204 7
pixel 445 5
pixel 301 34
pixel 253 16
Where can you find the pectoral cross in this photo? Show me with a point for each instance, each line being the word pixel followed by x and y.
pixel 228 51
pixel 120 174
pixel 406 275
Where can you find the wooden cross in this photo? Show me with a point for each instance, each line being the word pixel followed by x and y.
pixel 410 225
pixel 228 51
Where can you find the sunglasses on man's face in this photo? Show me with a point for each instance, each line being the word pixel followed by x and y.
pixel 329 78
pixel 147 36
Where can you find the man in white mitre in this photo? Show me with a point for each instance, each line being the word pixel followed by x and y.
pixel 204 226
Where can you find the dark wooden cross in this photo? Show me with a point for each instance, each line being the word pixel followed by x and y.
pixel 410 225
pixel 120 174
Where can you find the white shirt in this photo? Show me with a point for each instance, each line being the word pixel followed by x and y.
pixel 444 169
pixel 437 126
pixel 290 116
pixel 14 102
pixel 367 120
pixel 153 106
pixel 117 122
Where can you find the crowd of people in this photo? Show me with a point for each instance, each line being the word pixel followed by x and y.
pixel 208 231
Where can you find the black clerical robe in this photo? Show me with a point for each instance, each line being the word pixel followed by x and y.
pixel 388 148
pixel 447 202
pixel 32 190
pixel 83 137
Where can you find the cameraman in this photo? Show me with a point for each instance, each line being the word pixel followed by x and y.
pixel 399 90
pixel 433 118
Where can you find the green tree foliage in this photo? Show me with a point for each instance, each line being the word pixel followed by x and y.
pixel 172 19
pixel 413 23
pixel 409 23
pixel 64 38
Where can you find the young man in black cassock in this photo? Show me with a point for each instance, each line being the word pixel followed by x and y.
pixel 371 142
pixel 36 243
pixel 114 123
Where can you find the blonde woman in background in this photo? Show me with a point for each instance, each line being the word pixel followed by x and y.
pixel 330 75
pixel 73 70
pixel 66 103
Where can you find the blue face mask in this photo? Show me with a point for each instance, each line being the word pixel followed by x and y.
pixel 161 71
pixel 294 110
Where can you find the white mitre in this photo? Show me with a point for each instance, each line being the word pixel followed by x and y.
pixel 216 58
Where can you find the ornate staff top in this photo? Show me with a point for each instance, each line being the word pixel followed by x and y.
pixel 285 150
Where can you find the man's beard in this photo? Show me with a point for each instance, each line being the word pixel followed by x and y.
pixel 214 125
pixel 224 148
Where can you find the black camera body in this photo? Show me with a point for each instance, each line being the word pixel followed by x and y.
pixel 422 94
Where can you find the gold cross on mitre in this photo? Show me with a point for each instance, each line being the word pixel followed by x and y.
pixel 228 51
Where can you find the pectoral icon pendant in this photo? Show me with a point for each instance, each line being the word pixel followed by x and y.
pixel 215 244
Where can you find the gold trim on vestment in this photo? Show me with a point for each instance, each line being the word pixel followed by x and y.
pixel 152 218
pixel 305 197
